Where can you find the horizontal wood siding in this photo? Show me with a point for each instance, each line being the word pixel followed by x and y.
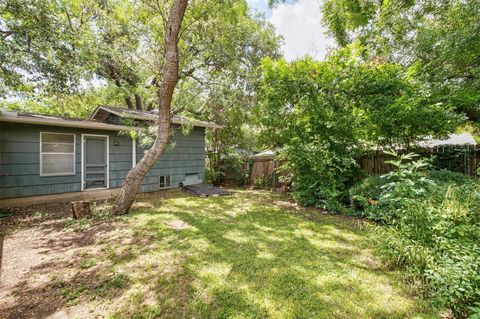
pixel 120 159
pixel 20 160
pixel 185 155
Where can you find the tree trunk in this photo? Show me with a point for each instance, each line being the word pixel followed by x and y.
pixel 127 99
pixel 129 102
pixel 81 209
pixel 165 90
pixel 138 102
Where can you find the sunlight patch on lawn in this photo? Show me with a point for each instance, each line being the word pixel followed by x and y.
pixel 264 252
pixel 178 224
pixel 238 210
pixel 237 236
pixel 245 256
pixel 215 274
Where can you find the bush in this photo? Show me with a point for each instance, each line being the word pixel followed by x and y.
pixel 213 177
pixel 433 229
pixel 448 177
pixel 232 167
pixel 367 192
pixel 321 174
pixel 262 182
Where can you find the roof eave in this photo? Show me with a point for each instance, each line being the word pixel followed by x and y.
pixel 152 118
pixel 67 123
pixel 196 123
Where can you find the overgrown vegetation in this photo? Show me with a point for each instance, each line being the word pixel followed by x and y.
pixel 432 229
pixel 324 115
pixel 229 166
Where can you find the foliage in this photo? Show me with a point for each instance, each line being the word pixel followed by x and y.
pixel 325 114
pixel 454 158
pixel 59 47
pixel 366 192
pixel 434 230
pixel 233 166
pixel 475 311
pixel 231 96
pixel 261 182
pixel 405 184
pixel 75 105
pixel 212 177
pixel 444 177
pixel 438 40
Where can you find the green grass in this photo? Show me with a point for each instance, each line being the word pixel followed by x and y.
pixel 88 263
pixel 251 255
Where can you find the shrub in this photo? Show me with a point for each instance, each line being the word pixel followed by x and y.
pixel 232 167
pixel 213 177
pixel 448 177
pixel 261 182
pixel 241 179
pixel 367 192
pixel 321 174
pixel 433 229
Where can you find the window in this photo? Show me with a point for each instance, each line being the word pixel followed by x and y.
pixel 57 154
pixel 165 181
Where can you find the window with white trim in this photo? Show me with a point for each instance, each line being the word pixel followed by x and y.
pixel 165 181
pixel 57 154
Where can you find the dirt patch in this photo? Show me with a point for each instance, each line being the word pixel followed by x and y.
pixel 177 224
pixel 42 248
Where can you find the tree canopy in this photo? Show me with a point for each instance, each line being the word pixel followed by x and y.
pixel 60 47
pixel 438 39
pixel 323 115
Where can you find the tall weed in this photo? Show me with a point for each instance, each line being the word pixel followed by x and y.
pixel 432 229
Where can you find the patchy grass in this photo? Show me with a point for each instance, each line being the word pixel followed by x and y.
pixel 88 263
pixel 251 255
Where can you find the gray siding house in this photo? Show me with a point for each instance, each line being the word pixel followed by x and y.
pixel 44 155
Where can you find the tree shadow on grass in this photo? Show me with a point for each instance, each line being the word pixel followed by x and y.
pixel 241 256
pixel 264 261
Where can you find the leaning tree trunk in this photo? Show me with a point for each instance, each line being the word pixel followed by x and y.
pixel 135 177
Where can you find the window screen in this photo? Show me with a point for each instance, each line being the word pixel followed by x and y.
pixel 57 154
pixel 165 181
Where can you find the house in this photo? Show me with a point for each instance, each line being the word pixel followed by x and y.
pixel 45 158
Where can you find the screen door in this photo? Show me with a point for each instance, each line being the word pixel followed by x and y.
pixel 95 162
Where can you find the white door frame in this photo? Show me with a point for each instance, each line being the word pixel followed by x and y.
pixel 108 160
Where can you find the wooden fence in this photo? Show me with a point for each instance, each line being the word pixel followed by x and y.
pixel 455 158
pixel 461 159
pixel 264 168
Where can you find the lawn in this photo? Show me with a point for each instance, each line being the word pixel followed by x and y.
pixel 250 255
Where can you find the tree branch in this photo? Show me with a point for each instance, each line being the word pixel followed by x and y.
pixel 6 34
